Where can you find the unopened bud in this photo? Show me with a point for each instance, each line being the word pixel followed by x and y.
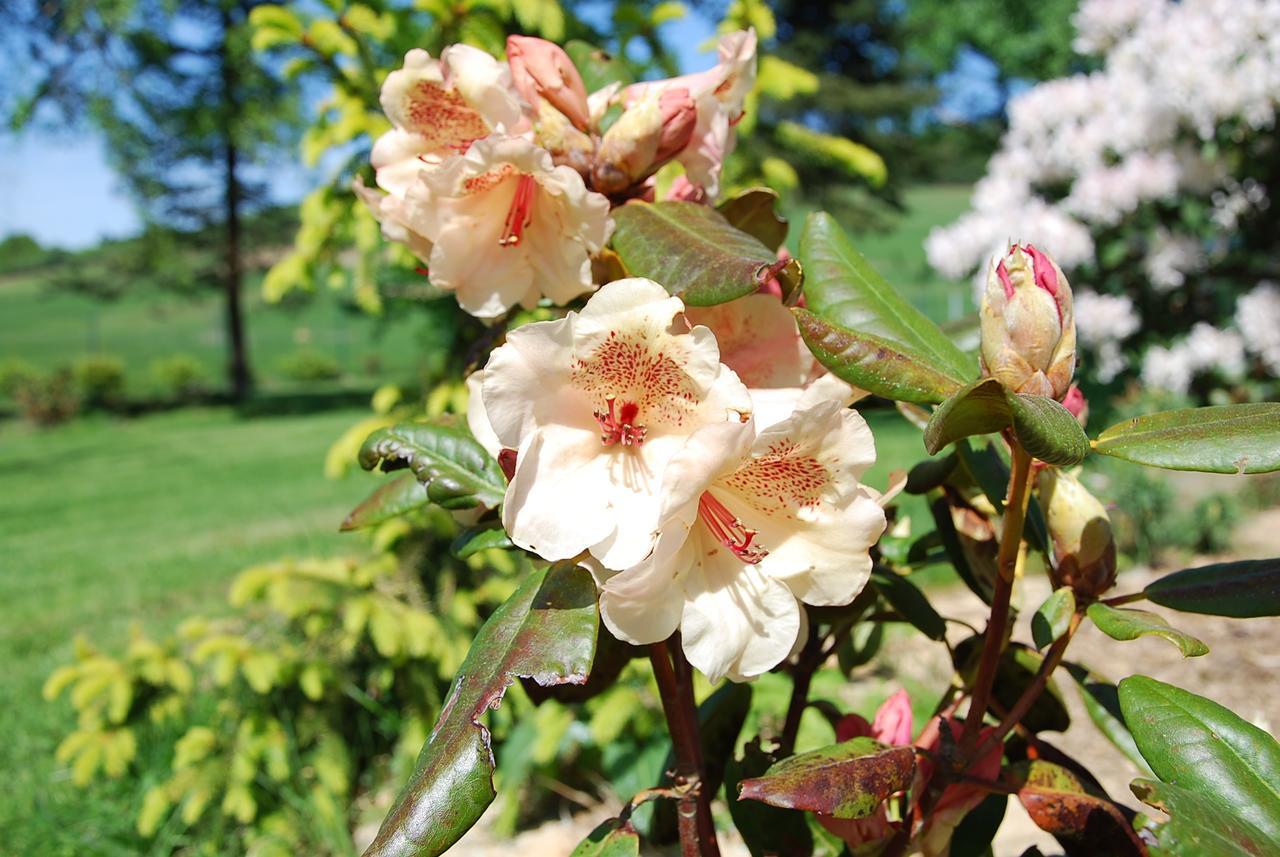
pixel 1076 404
pixel 651 132
pixel 542 70
pixel 1081 531
pixel 1028 327
pixel 567 145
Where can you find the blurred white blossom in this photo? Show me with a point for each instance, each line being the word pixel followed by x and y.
pixel 1258 318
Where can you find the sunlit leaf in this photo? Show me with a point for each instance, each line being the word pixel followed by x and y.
pixel 456 470
pixel 1220 439
pixel 1244 589
pixel 846 780
pixel 1123 623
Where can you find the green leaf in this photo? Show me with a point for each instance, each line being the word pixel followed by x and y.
pixel 545 631
pixel 754 211
pixel 1052 618
pixel 930 474
pixel 393 498
pixel 1242 590
pixel 864 331
pixel 597 67
pixel 694 252
pixel 991 473
pixel 1219 439
pixel 1200 745
pixel 1199 825
pixel 1062 804
pixel 976 830
pixel 1047 430
pixel 846 780
pixel 907 599
pixel 1044 427
pixel 472 540
pixel 767 830
pixel 457 471
pixel 613 838
pixel 1129 624
pixel 1102 703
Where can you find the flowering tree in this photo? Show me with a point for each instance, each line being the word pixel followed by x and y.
pixel 1150 179
pixel 659 418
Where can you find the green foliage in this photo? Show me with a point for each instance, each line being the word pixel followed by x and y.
pixel 694 251
pixel 1220 439
pixel 1129 624
pixel 179 377
pixel 310 366
pixel 1245 589
pixel 16 373
pixel 47 399
pixel 1043 426
pixel 848 780
pixel 99 380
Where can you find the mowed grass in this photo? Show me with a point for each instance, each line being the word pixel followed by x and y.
pixel 50 327
pixel 104 523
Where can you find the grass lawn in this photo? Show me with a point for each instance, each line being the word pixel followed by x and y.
pixel 110 522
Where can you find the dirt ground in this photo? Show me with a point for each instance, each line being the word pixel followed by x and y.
pixel 1239 671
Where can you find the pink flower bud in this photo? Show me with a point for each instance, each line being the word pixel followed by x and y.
pixel 542 70
pixel 1075 402
pixel 651 132
pixel 1028 328
pixel 893 723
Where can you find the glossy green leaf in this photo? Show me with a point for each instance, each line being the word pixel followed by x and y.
pixel 694 252
pixel 1242 590
pixel 945 526
pixel 1200 745
pixel 393 498
pixel 766 830
pixel 1051 619
pixel 905 597
pixel 1045 428
pixel 613 838
pixel 1199 825
pixel 972 837
pixel 456 470
pixel 1101 701
pixel 1124 623
pixel 472 540
pixel 846 780
pixel 1062 804
pixel 545 631
pixel 598 67
pixel 930 474
pixel 1219 439
pixel 977 408
pixel 864 331
pixel 755 212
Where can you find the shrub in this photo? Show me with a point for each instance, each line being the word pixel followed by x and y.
pixel 179 376
pixel 99 379
pixel 14 374
pixel 309 365
pixel 48 399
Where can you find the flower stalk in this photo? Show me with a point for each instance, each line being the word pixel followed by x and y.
pixel 693 808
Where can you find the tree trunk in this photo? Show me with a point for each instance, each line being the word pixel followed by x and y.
pixel 238 372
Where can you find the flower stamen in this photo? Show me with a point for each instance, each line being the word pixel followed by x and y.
pixel 520 214
pixel 619 425
pixel 728 530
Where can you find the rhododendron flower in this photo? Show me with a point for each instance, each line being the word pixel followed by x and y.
pixel 437 109
pixel 752 525
pixel 542 71
pixel 508 226
pixel 719 95
pixel 1028 330
pixel 596 405
pixel 760 341
pixel 652 131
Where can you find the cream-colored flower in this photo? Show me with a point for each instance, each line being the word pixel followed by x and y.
pixel 507 226
pixel 437 108
pixel 597 404
pixel 751 526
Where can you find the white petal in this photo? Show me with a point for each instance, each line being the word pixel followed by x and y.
pixel 737 622
pixel 477 419
pixel 644 604
pixel 526 381
pixel 485 83
pixel 759 340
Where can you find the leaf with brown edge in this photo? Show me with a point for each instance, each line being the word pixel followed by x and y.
pixel 1061 804
pixel 545 631
pixel 613 838
pixel 755 212
pixel 847 780
pixel 695 253
pixel 396 497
